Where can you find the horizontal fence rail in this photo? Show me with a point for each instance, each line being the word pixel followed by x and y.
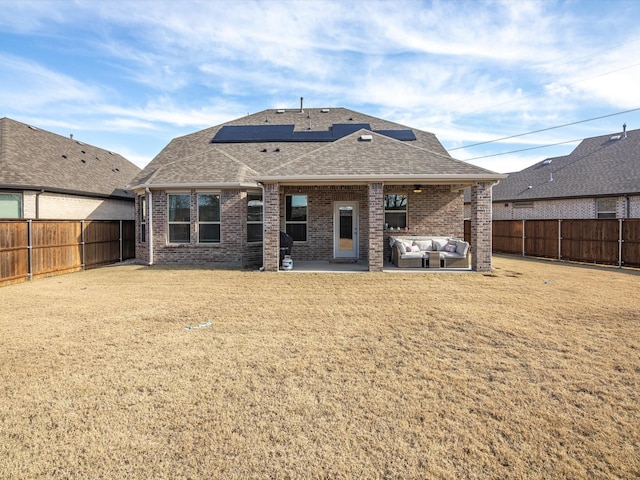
pixel 32 249
pixel 600 241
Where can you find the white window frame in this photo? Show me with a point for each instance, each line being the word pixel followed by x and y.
pixel 20 202
pixel 603 213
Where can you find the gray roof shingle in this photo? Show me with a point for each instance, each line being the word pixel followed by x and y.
pixel 194 160
pixel 35 158
pixel 598 166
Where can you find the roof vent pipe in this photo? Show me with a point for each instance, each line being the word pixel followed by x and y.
pixel 71 136
pixel 301 101
pixel 624 130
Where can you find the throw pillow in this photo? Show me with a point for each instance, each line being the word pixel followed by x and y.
pixel 449 247
pixel 439 244
pixel 400 246
pixel 461 248
pixel 424 245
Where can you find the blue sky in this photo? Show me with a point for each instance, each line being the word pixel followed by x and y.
pixel 130 76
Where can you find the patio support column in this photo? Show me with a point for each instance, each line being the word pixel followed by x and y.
pixel 376 227
pixel 481 226
pixel 271 212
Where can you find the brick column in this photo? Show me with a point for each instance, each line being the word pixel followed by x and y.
pixel 271 213
pixel 481 226
pixel 376 227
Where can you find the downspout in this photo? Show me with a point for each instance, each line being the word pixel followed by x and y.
pixel 150 224
pixel 263 232
pixel 38 203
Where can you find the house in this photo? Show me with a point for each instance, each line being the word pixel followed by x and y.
pixel 599 179
pixel 338 181
pixel 47 176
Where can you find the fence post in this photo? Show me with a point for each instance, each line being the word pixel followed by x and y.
pixel 559 239
pixel 82 243
pixel 121 240
pixel 30 248
pixel 524 236
pixel 620 240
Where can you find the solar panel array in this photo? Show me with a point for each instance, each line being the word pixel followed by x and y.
pixel 286 133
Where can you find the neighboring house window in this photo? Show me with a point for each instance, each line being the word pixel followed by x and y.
pixel 523 205
pixel 208 218
pixel 179 218
pixel 606 207
pixel 10 205
pixel 143 219
pixel 296 217
pixel 254 217
pixel 395 211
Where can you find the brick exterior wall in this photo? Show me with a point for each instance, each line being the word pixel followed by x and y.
pixel 481 227
pixel 230 251
pixel 376 227
pixel 272 227
pixel 435 211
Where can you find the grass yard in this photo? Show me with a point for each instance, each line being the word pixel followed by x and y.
pixel 532 372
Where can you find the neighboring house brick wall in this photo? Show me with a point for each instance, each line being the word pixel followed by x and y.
pixel 574 208
pixel 58 206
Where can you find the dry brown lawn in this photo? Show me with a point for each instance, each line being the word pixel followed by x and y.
pixel 532 372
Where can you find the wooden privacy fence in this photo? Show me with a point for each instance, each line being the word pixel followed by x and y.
pixel 606 241
pixel 31 249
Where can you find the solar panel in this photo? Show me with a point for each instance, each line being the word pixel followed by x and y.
pixel 286 133
pixel 254 134
pixel 404 135
pixel 340 130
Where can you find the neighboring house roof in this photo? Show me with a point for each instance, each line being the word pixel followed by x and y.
pixel 599 166
pixel 329 145
pixel 31 158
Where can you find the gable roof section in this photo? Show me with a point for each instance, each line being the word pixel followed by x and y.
pixel 598 166
pixel 288 144
pixel 31 158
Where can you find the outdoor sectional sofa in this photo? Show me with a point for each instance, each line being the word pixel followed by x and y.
pixel 432 252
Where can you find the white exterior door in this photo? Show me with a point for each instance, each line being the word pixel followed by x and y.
pixel 345 230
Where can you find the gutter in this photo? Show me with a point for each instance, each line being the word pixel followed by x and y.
pixel 435 179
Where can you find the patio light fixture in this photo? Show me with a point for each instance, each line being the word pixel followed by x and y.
pixel 417 189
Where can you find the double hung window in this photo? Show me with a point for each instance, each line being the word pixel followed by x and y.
pixel 179 206
pixel 10 205
pixel 395 211
pixel 254 217
pixel 143 218
pixel 208 218
pixel 296 217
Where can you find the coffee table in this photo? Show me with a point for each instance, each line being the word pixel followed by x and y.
pixel 435 259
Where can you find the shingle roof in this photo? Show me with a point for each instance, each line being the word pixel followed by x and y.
pixel 34 158
pixel 194 160
pixel 598 166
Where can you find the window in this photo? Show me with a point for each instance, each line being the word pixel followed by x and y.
pixel 10 205
pixel 254 217
pixel 209 218
pixel 296 217
pixel 179 218
pixel 395 211
pixel 606 207
pixel 143 218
